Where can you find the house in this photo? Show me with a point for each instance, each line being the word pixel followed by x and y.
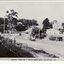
pixel 55 32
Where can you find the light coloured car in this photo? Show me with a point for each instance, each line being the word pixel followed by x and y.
pixel 32 38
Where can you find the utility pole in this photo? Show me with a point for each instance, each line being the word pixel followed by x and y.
pixel 39 33
pixel 4 26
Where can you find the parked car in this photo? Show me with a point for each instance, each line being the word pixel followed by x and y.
pixel 32 38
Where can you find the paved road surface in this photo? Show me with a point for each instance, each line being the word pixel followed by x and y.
pixel 52 47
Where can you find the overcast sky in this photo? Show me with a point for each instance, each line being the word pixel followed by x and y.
pixel 35 10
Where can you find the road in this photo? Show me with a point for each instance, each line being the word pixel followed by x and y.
pixel 52 47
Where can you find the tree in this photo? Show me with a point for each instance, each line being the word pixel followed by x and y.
pixel 50 25
pixel 46 24
pixel 28 22
pixel 34 22
pixel 20 28
pixel 12 17
pixel 54 21
pixel 11 14
pixel 63 25
pixel 1 20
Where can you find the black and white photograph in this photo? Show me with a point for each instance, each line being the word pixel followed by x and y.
pixel 31 29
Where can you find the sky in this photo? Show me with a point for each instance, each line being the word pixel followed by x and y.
pixel 35 10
